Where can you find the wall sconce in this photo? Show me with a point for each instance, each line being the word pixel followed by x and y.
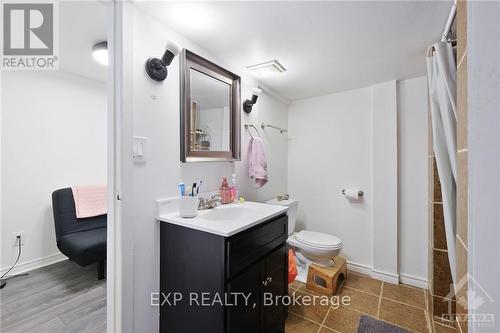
pixel 100 52
pixel 249 103
pixel 157 68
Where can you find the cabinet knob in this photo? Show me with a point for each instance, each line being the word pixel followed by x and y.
pixel 264 283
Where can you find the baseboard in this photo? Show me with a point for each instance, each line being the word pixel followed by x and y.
pixel 413 281
pixel 359 268
pixel 34 264
pixel 368 270
pixel 388 277
pixel 384 276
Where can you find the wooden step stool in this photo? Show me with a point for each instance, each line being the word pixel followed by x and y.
pixel 327 280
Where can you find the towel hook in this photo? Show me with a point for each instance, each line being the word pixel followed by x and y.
pixel 247 126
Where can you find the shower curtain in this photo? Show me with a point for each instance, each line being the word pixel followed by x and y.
pixel 442 77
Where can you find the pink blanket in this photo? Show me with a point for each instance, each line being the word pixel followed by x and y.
pixel 257 163
pixel 90 200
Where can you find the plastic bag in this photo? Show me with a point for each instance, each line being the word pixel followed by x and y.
pixel 292 266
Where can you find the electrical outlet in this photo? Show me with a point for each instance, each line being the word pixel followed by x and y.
pixel 15 242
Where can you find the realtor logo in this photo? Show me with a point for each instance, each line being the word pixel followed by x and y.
pixel 29 39
pixel 473 297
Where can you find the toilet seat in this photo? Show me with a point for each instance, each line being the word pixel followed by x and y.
pixel 318 240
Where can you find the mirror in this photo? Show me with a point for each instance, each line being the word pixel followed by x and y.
pixel 210 103
pixel 210 111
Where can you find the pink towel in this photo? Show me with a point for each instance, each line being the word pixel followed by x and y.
pixel 90 200
pixel 257 163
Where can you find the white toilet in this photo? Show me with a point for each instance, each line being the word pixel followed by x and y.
pixel 309 246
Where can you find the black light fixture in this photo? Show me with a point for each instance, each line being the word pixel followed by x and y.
pixel 100 52
pixel 157 68
pixel 249 103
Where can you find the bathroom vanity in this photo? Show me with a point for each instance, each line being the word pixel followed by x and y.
pixel 216 269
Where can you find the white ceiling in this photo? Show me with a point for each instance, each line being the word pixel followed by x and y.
pixel 81 25
pixel 325 46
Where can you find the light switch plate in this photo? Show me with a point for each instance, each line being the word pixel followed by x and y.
pixel 140 149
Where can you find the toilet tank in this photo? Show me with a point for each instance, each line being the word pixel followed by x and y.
pixel 292 211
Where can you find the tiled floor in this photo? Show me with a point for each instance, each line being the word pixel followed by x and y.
pixel 401 305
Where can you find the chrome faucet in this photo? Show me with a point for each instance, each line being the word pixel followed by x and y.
pixel 213 202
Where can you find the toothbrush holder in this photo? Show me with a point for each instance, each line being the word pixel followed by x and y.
pixel 188 206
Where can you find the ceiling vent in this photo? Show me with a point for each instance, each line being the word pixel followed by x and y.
pixel 269 66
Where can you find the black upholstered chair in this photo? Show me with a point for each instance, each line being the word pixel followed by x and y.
pixel 81 240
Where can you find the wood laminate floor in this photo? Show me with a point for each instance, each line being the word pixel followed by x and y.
pixel 62 297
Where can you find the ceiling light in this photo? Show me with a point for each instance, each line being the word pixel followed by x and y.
pixel 268 67
pixel 100 53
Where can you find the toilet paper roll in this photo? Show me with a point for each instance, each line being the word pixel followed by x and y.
pixel 352 194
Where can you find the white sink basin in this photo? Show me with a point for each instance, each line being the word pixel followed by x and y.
pixel 227 212
pixel 224 220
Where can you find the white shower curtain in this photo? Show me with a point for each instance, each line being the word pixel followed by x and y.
pixel 442 77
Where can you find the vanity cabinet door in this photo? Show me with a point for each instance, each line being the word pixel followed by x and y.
pixel 254 244
pixel 245 318
pixel 276 275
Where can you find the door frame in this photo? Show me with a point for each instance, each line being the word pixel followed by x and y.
pixel 120 244
pixel 113 298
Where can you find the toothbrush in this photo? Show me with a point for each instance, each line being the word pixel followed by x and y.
pixel 182 188
pixel 198 188
pixel 192 189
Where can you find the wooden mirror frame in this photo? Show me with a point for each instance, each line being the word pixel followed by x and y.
pixel 188 61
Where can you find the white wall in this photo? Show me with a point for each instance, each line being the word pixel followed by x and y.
pixel 158 120
pixel 385 177
pixel 339 141
pixel 54 127
pixel 483 68
pixel 269 110
pixel 329 150
pixel 413 175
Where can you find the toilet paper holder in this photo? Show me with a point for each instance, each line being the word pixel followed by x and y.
pixel 360 193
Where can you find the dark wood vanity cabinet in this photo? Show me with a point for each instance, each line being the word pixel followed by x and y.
pixel 266 277
pixel 253 263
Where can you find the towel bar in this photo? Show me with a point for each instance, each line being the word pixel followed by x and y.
pixel 360 193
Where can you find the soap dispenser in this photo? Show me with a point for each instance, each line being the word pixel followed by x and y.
pixel 225 195
pixel 233 189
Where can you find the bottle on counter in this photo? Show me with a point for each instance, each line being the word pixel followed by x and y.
pixel 225 194
pixel 233 189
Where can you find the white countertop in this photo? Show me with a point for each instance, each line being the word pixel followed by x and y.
pixel 225 220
